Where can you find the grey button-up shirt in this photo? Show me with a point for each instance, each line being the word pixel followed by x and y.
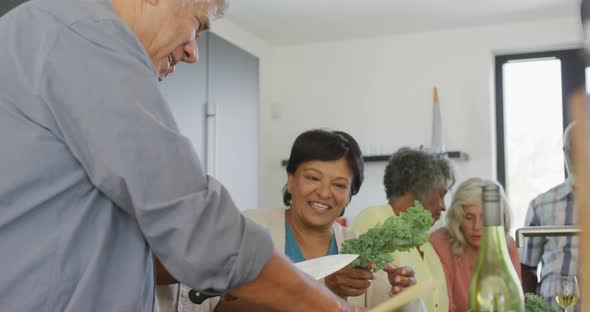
pixel 95 176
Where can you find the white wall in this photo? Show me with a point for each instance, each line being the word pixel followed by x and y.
pixel 380 91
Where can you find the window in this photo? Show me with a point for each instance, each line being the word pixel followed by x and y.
pixel 531 93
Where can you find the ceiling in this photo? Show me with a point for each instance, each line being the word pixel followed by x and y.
pixel 299 21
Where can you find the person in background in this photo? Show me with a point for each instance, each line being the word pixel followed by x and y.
pixel 457 244
pixel 97 179
pixel 558 255
pixel 324 171
pixel 414 175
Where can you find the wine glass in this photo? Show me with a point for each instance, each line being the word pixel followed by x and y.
pixel 566 292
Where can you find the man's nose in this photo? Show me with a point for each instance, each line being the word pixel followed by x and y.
pixel 190 52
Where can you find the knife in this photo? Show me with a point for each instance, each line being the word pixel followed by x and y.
pixel 317 268
pixel 321 267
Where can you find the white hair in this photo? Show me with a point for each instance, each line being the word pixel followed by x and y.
pixel 469 193
pixel 217 7
pixel 567 146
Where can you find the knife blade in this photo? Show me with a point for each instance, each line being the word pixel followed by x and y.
pixel 321 267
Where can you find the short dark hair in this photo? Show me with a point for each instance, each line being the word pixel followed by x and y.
pixel 420 172
pixel 326 145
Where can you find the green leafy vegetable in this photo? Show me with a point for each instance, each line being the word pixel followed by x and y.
pixel 534 303
pixel 398 233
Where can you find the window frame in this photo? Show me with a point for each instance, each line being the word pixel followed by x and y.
pixel 572 78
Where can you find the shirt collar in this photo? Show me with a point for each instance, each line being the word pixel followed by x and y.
pixel 564 189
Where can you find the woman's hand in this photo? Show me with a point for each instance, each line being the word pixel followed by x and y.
pixel 349 282
pixel 400 278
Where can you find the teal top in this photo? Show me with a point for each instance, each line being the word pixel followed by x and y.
pixel 292 249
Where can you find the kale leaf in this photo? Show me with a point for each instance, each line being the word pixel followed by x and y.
pixel 398 233
pixel 534 303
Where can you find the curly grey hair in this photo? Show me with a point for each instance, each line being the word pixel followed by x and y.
pixel 219 6
pixel 411 170
pixel 469 193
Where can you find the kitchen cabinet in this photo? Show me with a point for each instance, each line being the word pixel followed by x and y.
pixel 216 105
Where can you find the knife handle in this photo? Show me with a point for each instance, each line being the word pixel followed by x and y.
pixel 197 297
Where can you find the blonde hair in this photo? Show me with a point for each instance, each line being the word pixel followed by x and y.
pixel 469 193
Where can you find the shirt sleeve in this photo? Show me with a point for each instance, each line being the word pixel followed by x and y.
pixel 531 249
pixel 109 112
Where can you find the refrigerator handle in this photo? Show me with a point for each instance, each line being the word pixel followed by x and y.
pixel 211 136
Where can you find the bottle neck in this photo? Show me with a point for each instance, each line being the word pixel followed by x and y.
pixel 493 214
pixel 493 239
pixel 493 243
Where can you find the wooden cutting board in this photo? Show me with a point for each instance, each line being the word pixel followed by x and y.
pixel 408 295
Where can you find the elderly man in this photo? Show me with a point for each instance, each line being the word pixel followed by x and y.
pixel 414 175
pixel 95 176
pixel 559 254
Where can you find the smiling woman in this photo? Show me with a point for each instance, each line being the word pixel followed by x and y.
pixel 323 146
pixel 324 171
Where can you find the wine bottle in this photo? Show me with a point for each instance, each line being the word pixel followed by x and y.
pixel 494 284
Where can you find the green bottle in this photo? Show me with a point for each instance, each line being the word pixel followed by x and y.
pixel 494 285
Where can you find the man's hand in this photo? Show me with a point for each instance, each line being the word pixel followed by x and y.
pixel 400 278
pixel 291 290
pixel 349 282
